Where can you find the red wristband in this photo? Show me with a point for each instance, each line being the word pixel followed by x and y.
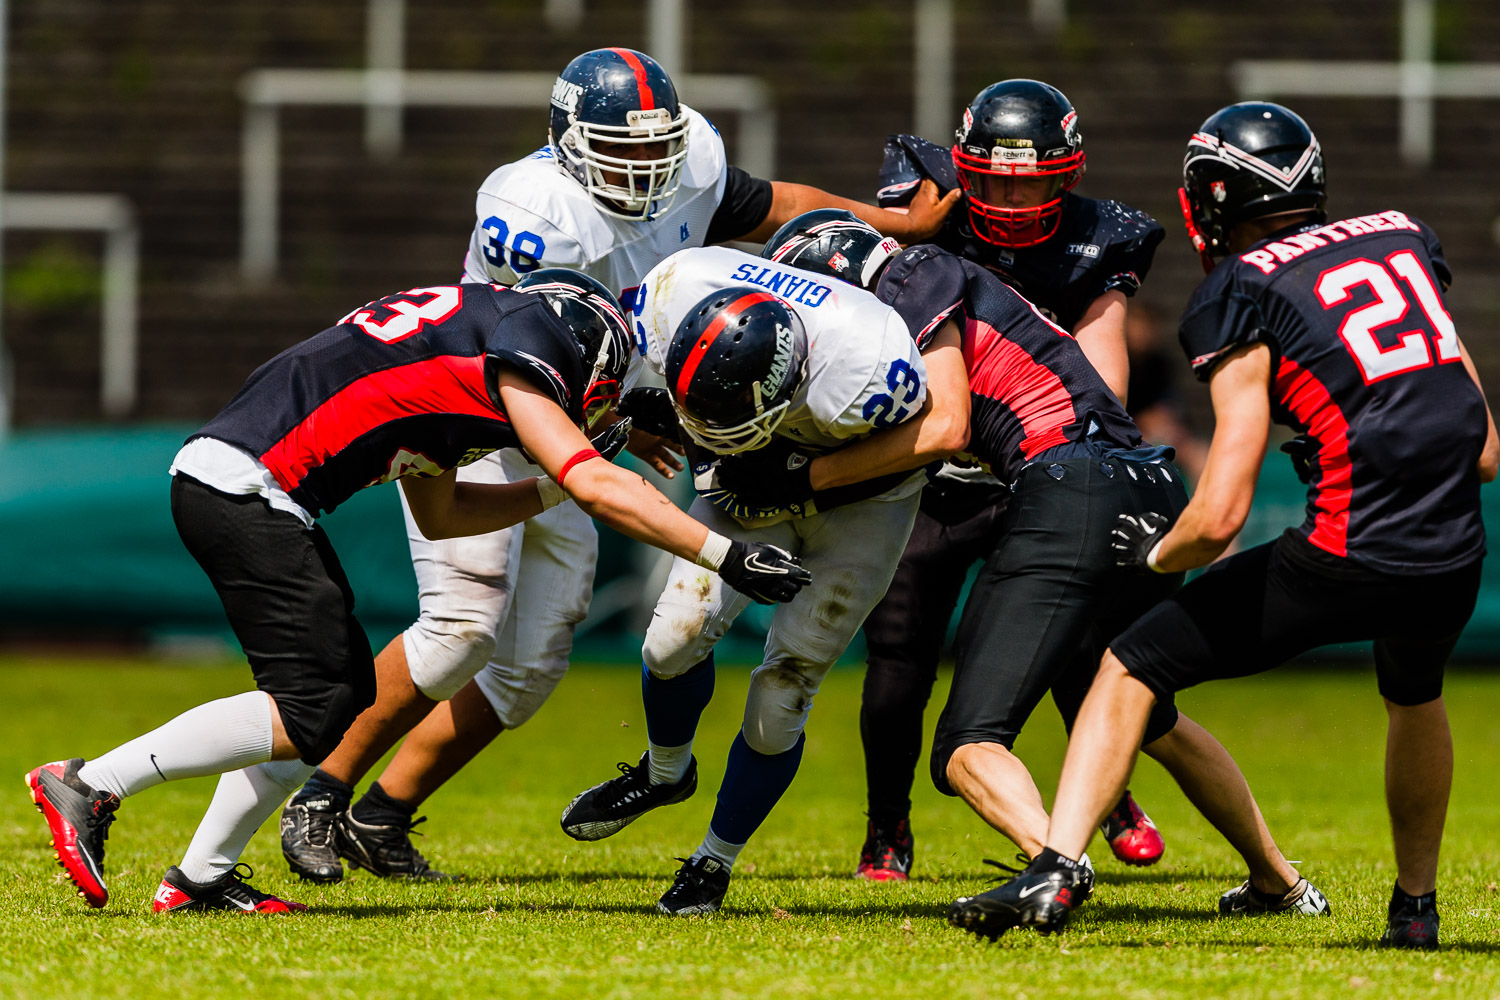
pixel 582 456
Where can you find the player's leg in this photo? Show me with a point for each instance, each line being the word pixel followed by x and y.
pixel 692 614
pixel 903 638
pixel 852 552
pixel 463 589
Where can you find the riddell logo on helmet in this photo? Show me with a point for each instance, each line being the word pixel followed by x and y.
pixel 649 118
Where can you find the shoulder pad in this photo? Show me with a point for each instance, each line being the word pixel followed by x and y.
pixel 924 285
pixel 909 160
pixel 1219 318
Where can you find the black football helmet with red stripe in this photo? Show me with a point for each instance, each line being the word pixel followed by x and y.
pixel 618 130
pixel 1248 161
pixel 833 241
pixel 1017 128
pixel 603 336
pixel 734 364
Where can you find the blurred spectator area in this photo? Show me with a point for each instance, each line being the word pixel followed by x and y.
pixel 140 97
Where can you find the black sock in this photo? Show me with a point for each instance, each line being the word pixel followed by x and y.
pixel 376 808
pixel 1400 900
pixel 1050 861
pixel 324 785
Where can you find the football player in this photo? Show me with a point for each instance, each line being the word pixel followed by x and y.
pixel 761 361
pixel 629 176
pixel 408 387
pixel 1018 154
pixel 1298 324
pixel 1046 601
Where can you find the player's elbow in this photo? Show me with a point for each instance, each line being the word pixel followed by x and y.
pixel 589 484
pixel 952 435
pixel 1489 465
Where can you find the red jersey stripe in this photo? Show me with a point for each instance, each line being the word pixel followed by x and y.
pixel 695 356
pixel 447 384
pixel 1000 369
pixel 1310 403
pixel 647 100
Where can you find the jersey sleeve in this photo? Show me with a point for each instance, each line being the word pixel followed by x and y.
pixel 924 285
pixel 1435 254
pixel 531 340
pixel 1219 319
pixel 1128 260
pixel 908 161
pixel 744 206
pixel 510 241
pixel 888 389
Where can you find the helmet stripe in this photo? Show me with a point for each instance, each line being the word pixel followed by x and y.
pixel 711 333
pixel 639 69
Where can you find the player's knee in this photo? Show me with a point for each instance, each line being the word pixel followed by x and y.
pixel 938 763
pixel 517 692
pixel 781 697
pixel 675 643
pixel 443 656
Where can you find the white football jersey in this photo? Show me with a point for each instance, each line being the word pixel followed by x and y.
pixel 531 214
pixel 864 371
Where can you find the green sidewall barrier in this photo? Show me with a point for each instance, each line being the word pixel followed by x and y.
pixel 87 544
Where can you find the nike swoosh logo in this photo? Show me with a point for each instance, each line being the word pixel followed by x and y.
pixel 158 770
pixel 752 561
pixel 241 904
pixel 1040 885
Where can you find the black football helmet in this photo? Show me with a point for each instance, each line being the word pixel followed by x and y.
pixel 619 96
pixel 603 336
pixel 1248 161
pixel 832 241
pixel 734 364
pixel 1017 128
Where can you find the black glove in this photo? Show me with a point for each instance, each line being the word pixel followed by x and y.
pixel 652 411
pixel 611 441
pixel 766 573
pixel 1301 449
pixel 772 476
pixel 1134 536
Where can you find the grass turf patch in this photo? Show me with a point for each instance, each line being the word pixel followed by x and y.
pixel 541 915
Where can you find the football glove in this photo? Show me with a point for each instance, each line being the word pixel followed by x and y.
pixel 1301 449
pixel 1134 536
pixel 611 441
pixel 763 572
pixel 652 411
pixel 768 477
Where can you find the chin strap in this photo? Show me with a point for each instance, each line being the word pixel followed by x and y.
pixel 1199 243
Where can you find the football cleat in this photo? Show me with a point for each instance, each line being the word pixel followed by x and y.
pixel 1085 873
pixel 1132 836
pixel 78 817
pixel 887 854
pixel 1302 899
pixel 610 807
pixel 1044 900
pixel 1412 922
pixel 698 889
pixel 307 823
pixel 230 891
pixel 385 850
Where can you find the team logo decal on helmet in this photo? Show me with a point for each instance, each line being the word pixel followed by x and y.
pixel 734 364
pixel 599 328
pixel 618 129
pixel 1248 161
pixel 832 241
pixel 1017 128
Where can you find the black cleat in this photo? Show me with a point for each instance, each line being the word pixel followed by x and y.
pixel 887 854
pixel 608 808
pixel 78 818
pixel 230 891
pixel 383 850
pixel 1302 899
pixel 1040 899
pixel 699 888
pixel 307 823
pixel 1412 922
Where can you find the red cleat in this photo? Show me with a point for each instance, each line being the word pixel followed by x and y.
pixel 230 891
pixel 1132 836
pixel 887 853
pixel 78 817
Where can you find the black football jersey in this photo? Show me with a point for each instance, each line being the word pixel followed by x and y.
pixel 1365 361
pixel 1031 387
pixel 406 385
pixel 1099 246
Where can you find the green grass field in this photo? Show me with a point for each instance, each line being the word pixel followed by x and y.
pixel 541 915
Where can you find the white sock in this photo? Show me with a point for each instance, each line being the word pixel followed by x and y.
pixel 714 847
pixel 243 801
pixel 219 736
pixel 669 765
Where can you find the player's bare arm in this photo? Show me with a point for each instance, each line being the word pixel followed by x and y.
pixel 1489 457
pixel 443 507
pixel 1217 512
pixel 924 216
pixel 941 429
pixel 1101 334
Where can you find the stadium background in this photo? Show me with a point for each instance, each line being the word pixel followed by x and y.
pixel 142 98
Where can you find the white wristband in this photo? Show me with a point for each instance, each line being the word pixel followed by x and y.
pixel 1151 563
pixel 551 493
pixel 715 548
